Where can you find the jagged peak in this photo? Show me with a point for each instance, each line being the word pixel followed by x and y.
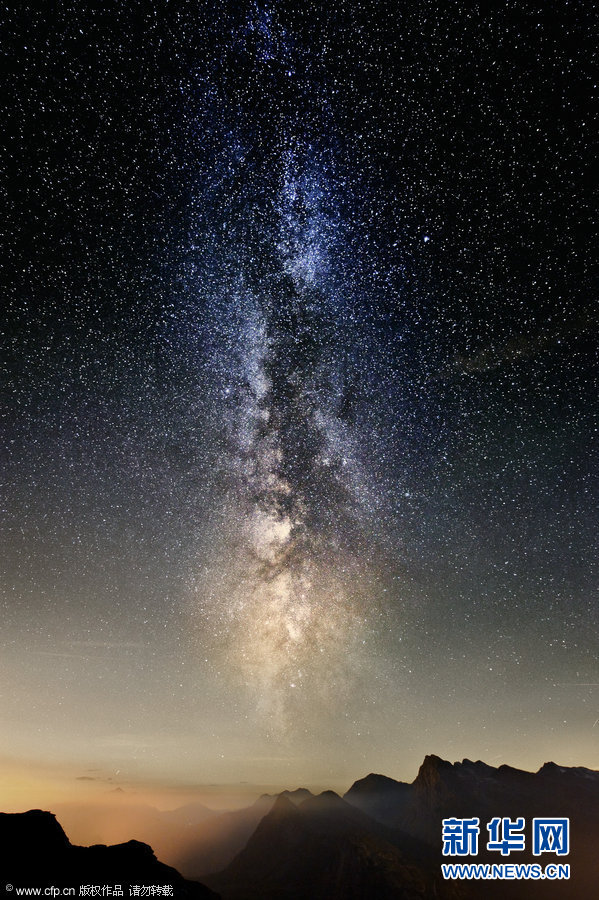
pixel 298 795
pixel 432 765
pixel 431 760
pixel 326 802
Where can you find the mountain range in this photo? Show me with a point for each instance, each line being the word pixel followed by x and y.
pixel 381 841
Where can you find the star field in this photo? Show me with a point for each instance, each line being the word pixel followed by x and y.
pixel 299 375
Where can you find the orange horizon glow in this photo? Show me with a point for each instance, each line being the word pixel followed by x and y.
pixel 28 785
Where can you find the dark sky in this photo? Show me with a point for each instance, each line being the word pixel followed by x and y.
pixel 299 376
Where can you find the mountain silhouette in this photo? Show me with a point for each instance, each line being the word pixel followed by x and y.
pixel 474 789
pixel 379 796
pixel 35 851
pixel 384 838
pixel 381 841
pixel 443 789
pixel 322 849
pixel 214 844
pixel 168 832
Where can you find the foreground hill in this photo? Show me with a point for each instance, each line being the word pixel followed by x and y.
pixel 35 851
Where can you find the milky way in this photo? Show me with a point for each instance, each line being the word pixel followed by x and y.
pixel 297 471
pixel 300 373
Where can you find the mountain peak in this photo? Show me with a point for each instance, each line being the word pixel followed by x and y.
pixel 431 769
pixel 282 807
pixel 372 784
pixel 36 827
pixel 555 771
pixel 551 768
pixel 297 796
pixel 324 802
pixel 431 760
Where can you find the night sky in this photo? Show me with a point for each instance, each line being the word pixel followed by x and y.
pixel 299 389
